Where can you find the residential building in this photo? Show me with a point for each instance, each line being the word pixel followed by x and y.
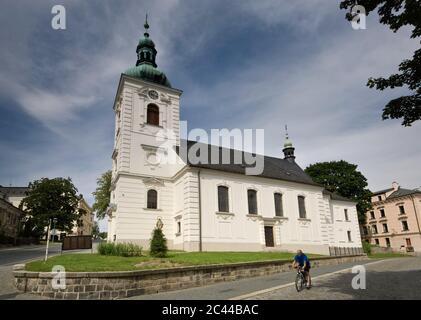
pixel 395 219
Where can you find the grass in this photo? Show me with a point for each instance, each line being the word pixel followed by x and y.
pixel 84 262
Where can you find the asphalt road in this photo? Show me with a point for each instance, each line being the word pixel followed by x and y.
pixel 16 255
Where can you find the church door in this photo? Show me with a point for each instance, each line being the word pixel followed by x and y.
pixel 269 236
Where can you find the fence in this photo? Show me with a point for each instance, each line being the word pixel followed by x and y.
pixel 341 251
pixel 76 242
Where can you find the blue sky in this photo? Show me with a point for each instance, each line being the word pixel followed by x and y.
pixel 241 64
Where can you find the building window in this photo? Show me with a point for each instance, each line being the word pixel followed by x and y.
pixel 152 202
pixel 252 201
pixel 387 242
pixel 385 228
pixel 346 214
pixel 382 213
pixel 279 212
pixel 374 227
pixel 405 226
pixel 408 242
pixel 152 116
pixel 349 236
pixel 178 227
pixel 377 241
pixel 223 205
pixel 372 216
pixel 401 210
pixel 302 207
pixel 365 231
pixel 379 198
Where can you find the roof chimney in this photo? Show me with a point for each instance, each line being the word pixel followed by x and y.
pixel 395 186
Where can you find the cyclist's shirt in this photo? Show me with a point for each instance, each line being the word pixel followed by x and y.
pixel 301 260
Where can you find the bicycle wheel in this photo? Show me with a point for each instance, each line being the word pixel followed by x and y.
pixel 299 282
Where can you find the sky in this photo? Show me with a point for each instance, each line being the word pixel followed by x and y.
pixel 241 64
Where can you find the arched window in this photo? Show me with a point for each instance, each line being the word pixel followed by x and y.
pixel 223 201
pixel 302 207
pixel 152 116
pixel 252 200
pixel 152 202
pixel 279 212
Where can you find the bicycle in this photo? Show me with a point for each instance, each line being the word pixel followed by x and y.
pixel 300 279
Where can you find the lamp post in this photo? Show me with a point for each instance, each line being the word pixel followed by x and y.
pixel 54 228
pixel 48 236
pixel 48 241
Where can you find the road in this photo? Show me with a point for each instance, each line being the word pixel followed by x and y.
pixel 16 255
pixel 397 278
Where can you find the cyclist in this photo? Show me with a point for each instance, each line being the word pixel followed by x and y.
pixel 301 261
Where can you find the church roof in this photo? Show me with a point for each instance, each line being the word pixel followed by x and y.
pixel 274 168
pixel 335 196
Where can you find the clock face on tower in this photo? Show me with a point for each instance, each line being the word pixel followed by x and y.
pixel 153 94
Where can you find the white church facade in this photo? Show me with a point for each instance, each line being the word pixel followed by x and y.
pixel 208 206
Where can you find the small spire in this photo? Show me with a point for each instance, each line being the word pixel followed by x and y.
pixel 287 142
pixel 288 147
pixel 146 25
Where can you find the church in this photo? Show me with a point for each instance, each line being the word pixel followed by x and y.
pixel 209 205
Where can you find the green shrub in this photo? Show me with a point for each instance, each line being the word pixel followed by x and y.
pixel 119 249
pixel 367 247
pixel 158 244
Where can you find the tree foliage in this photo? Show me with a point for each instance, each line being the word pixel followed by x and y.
pixel 102 195
pixel 48 199
pixel 397 14
pixel 344 179
pixel 158 244
pixel 95 230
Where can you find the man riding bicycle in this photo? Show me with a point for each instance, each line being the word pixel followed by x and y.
pixel 301 261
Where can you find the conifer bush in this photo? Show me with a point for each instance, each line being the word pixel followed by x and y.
pixel 159 247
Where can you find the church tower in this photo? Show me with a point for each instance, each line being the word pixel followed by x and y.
pixel 147 133
pixel 288 148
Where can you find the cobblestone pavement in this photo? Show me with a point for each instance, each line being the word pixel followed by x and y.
pixel 398 278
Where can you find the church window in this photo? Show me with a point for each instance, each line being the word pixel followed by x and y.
pixel 223 205
pixel 153 115
pixel 178 227
pixel 252 201
pixel 152 202
pixel 279 212
pixel 302 207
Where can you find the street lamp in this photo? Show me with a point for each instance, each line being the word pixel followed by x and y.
pixel 54 228
pixel 48 236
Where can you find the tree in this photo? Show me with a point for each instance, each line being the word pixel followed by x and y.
pixel 49 199
pixel 396 14
pixel 95 230
pixel 343 178
pixel 158 244
pixel 102 194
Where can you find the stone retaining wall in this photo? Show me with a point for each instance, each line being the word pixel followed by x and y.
pixel 114 285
